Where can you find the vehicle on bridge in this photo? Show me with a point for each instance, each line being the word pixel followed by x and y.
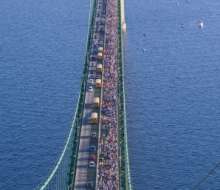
pixel 96 102
pixel 92 148
pixel 94 117
pixel 100 50
pixel 90 185
pixel 92 157
pixel 93 135
pixel 91 164
pixel 98 76
pixel 90 89
pixel 100 56
pixel 99 68
pixel 98 83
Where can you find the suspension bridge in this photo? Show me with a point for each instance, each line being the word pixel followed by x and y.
pixel 95 154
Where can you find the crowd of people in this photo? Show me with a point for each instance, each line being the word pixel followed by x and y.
pixel 108 144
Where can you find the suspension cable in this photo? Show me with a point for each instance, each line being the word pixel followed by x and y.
pixel 207 176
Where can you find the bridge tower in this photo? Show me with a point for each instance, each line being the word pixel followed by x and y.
pixel 123 16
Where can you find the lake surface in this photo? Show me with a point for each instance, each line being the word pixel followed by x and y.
pixel 172 93
pixel 172 89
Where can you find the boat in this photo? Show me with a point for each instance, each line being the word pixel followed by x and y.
pixel 144 33
pixel 201 24
pixel 183 25
pixel 144 49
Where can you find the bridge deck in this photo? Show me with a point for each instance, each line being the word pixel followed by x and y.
pixel 83 154
pixel 84 173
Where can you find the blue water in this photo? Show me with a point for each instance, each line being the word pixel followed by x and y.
pixel 172 90
pixel 42 45
pixel 172 93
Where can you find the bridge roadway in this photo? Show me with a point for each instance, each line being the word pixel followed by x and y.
pixel 83 154
pixel 84 173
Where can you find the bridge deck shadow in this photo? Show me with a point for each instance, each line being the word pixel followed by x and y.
pixel 82 166
pixel 80 186
pixel 84 137
pixel 82 159
pixel 83 150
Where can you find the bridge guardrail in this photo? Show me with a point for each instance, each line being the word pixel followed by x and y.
pixel 125 179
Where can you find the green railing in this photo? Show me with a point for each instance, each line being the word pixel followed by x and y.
pixel 124 169
pixel 62 177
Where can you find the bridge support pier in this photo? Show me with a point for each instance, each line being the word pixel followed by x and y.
pixel 123 16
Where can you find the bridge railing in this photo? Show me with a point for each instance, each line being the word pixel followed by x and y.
pixel 124 178
pixel 62 177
